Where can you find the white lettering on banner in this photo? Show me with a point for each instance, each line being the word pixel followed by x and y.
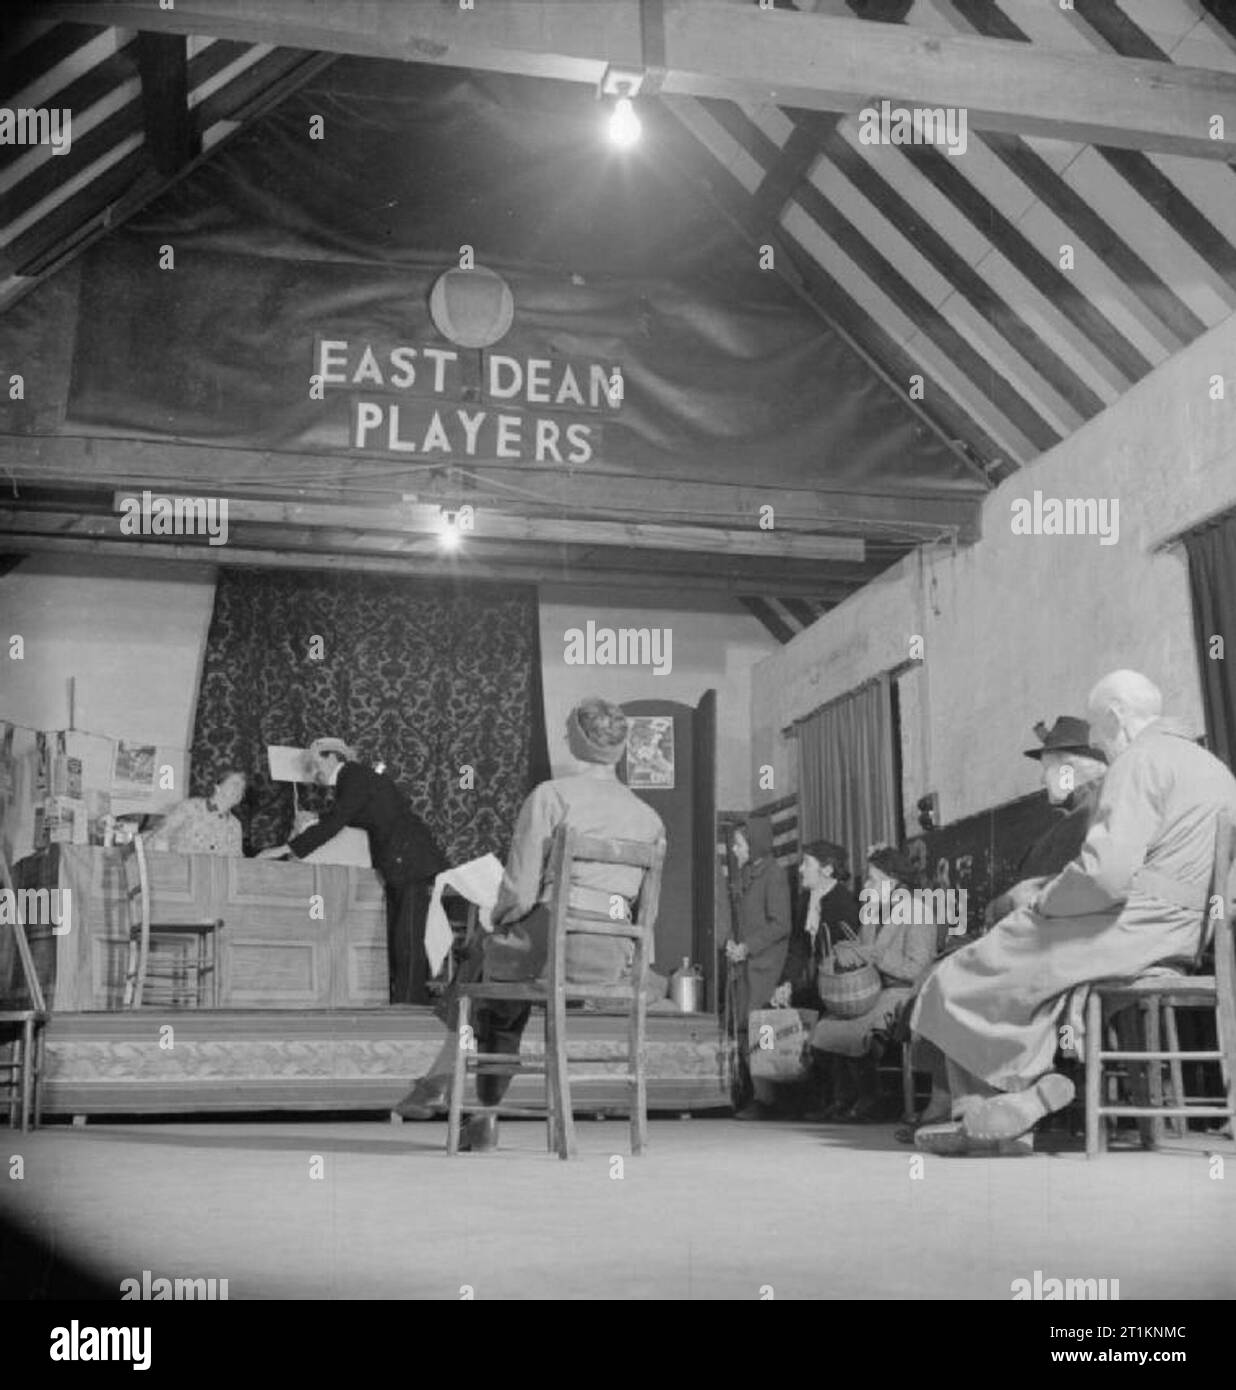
pixel 434 401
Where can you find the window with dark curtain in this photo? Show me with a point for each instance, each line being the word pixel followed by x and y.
pixel 846 782
pixel 1212 578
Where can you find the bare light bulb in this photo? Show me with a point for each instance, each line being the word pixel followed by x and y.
pixel 624 124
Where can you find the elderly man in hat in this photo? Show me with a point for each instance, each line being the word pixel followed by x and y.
pixel 1072 770
pixel 401 847
pixel 1134 897
pixel 593 801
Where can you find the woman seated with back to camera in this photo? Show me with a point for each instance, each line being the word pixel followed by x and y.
pixel 848 1050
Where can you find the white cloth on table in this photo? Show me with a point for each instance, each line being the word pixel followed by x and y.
pixel 478 880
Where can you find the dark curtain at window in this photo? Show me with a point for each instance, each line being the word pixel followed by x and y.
pixel 846 791
pixel 431 679
pixel 1212 577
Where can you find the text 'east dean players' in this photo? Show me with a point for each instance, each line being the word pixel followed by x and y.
pixel 447 399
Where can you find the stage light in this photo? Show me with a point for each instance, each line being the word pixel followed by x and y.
pixel 448 532
pixel 624 124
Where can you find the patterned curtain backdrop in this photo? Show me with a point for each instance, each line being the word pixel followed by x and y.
pixel 428 678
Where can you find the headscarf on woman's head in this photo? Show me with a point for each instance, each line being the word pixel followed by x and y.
pixel 894 863
pixel 759 835
pixel 597 731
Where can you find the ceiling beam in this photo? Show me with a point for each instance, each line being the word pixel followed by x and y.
pixel 458 566
pixel 163 63
pixel 45 460
pixel 744 53
pixel 826 580
pixel 487 524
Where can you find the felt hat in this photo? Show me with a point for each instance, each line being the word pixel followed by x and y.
pixel 1066 735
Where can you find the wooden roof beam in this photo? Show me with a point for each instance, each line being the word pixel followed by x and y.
pixel 47 460
pixel 746 54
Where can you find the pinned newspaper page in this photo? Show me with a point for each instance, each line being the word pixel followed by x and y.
pixel 133 771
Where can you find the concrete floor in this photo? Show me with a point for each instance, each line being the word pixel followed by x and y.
pixel 715 1209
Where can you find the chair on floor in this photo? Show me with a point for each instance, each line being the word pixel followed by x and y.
pixel 1157 995
pixel 553 994
pixel 171 965
pixel 23 1072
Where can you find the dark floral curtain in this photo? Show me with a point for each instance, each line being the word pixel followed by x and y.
pixel 431 679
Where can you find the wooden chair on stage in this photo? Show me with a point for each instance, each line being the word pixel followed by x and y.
pixel 182 969
pixel 1157 996
pixel 24 1070
pixel 555 992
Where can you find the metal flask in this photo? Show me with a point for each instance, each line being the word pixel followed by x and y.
pixel 687 987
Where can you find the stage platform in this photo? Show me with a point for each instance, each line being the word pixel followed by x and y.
pixel 188 1061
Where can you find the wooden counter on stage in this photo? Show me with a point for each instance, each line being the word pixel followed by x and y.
pixel 294 936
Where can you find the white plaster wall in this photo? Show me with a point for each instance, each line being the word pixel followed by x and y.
pixel 1018 628
pixel 715 645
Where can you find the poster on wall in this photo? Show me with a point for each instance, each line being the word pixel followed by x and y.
pixel 133 771
pixel 650 752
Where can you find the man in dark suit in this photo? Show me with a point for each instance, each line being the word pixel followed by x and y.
pixel 401 847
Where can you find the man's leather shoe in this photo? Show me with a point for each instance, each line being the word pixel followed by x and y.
pixel 480 1135
pixel 425 1100
pixel 1014 1113
pixel 952 1141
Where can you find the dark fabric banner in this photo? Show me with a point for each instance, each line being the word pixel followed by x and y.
pixel 1212 578
pixel 429 678
pixel 308 250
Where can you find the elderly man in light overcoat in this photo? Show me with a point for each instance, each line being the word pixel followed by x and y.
pixel 1136 896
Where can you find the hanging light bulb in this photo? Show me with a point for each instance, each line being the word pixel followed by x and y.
pixel 448 531
pixel 624 124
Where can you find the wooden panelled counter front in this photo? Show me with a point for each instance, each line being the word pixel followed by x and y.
pixel 294 936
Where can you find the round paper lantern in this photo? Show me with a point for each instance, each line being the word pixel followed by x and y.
pixel 473 308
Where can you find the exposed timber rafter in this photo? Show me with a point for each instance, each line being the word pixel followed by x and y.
pixel 746 53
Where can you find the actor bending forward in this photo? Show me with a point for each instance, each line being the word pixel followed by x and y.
pixel 1134 897
pixel 596 804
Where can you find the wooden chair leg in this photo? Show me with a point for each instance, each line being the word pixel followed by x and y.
pixel 562 1079
pixel 637 1049
pixel 1178 1124
pixel 554 1141
pixel 459 1071
pixel 40 1058
pixel 27 1073
pixel 1095 1130
pixel 1154 1074
pixel 909 1107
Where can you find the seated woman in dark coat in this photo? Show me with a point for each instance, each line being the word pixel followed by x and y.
pixel 850 1048
pixel 825 902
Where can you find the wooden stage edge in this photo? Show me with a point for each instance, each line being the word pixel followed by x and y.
pixel 218 1061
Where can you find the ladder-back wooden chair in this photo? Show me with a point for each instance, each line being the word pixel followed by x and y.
pixel 1158 996
pixel 553 993
pixel 23 1071
pixel 182 970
